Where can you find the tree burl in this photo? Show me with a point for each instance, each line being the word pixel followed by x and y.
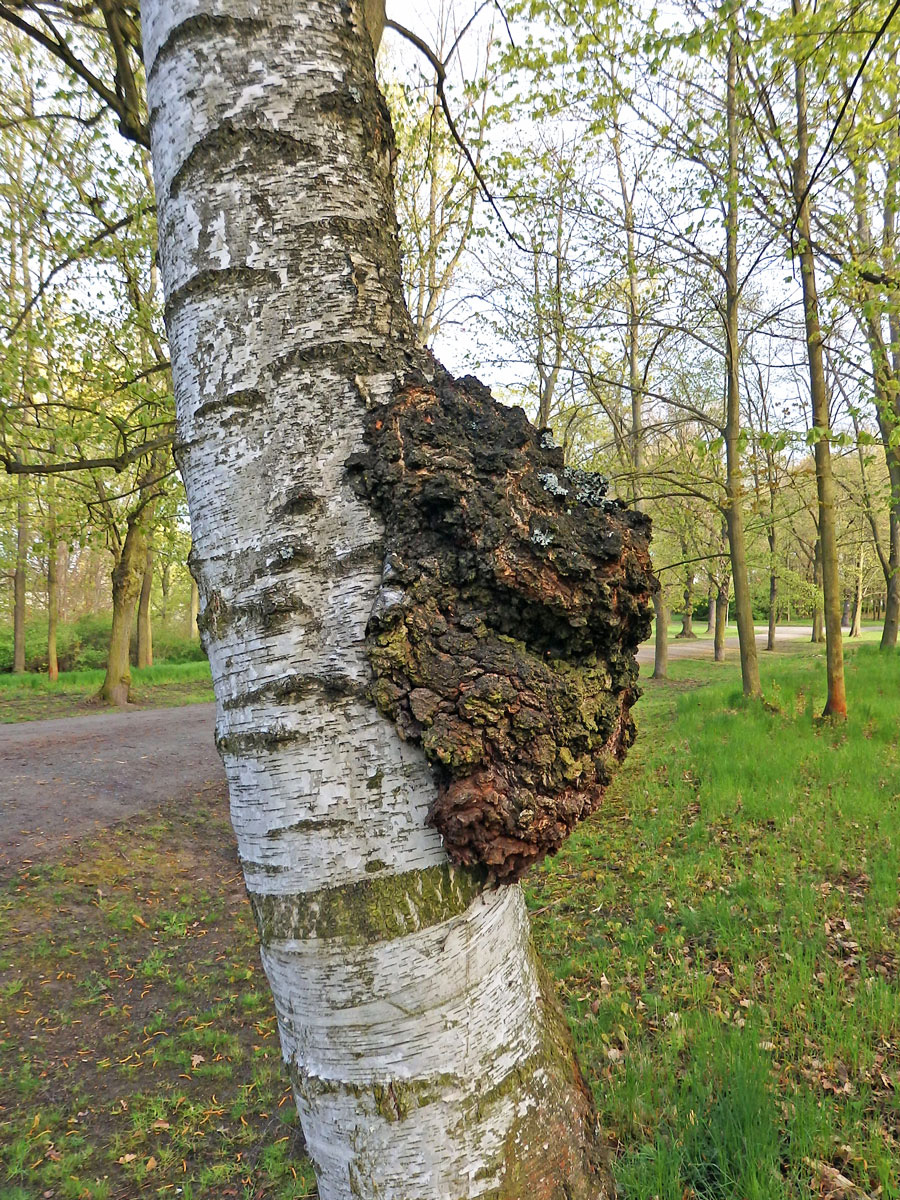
pixel 503 638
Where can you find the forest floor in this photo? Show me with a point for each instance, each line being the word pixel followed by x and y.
pixel 725 933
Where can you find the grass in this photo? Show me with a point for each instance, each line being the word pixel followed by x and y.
pixel 725 933
pixel 138 1049
pixel 32 697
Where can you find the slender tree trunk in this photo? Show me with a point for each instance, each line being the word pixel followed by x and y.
pixel 144 630
pixel 856 625
pixel 52 595
pixel 892 599
pixel 836 703
pixel 194 614
pixel 773 594
pixel 427 1057
pixel 734 507
pixel 687 612
pixel 722 598
pixel 165 583
pixel 818 625
pixel 711 606
pixel 661 644
pixel 19 578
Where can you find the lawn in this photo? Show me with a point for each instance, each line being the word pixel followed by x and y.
pixel 726 936
pixel 32 697
pixel 725 933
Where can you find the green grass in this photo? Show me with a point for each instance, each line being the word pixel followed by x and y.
pixel 31 696
pixel 726 935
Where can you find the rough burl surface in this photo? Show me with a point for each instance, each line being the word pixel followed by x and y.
pixel 513 599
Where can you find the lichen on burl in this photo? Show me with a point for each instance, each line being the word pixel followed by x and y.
pixel 513 598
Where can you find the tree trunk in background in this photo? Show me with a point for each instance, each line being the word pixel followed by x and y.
pixel 687 613
pixel 195 610
pixel 19 575
pixel 426 1054
pixel 818 626
pixel 127 578
pixel 711 606
pixel 892 604
pixel 773 591
pixel 165 583
pixel 661 640
pixel 722 597
pixel 856 625
pixel 52 595
pixel 836 703
pixel 144 629
pixel 734 504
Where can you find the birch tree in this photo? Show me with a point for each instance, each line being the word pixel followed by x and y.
pixel 427 1055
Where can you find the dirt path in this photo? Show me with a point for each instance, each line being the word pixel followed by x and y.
pixel 702 647
pixel 63 778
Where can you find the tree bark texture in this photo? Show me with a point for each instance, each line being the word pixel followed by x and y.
pixel 428 1058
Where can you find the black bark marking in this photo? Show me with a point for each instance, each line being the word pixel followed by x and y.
pixel 513 599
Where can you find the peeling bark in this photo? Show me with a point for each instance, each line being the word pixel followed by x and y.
pixel 426 1059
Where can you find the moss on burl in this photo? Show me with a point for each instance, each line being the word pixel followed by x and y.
pixel 513 598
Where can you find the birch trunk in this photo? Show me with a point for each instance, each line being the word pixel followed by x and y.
pixel 428 1060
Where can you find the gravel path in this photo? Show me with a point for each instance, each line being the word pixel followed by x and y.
pixel 63 778
pixel 703 647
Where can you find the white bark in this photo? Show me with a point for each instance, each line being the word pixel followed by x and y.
pixel 407 1001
